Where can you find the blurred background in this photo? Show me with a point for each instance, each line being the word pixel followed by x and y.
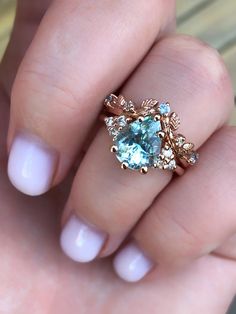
pixel 213 21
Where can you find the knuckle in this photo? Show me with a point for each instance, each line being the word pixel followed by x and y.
pixel 199 63
pixel 123 215
pixel 226 139
pixel 116 215
pixel 190 243
pixel 46 85
pixel 203 60
pixel 175 239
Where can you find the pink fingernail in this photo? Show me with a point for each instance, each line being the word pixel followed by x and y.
pixel 131 264
pixel 31 165
pixel 81 242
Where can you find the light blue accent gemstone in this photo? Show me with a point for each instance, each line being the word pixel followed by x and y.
pixel 193 158
pixel 164 108
pixel 138 143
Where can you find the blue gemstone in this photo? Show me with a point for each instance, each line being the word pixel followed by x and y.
pixel 164 108
pixel 138 143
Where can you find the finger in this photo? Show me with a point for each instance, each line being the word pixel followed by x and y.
pixel 228 248
pixel 113 200
pixel 28 16
pixel 192 217
pixel 80 53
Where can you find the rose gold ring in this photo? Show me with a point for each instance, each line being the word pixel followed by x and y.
pixel 145 136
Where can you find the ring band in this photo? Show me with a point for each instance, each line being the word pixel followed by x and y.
pixel 145 136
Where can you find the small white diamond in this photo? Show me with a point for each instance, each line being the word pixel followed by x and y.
pixel 172 164
pixel 109 121
pixel 121 121
pixel 128 106
pixel 180 141
pixel 159 163
pixel 113 131
pixel 167 152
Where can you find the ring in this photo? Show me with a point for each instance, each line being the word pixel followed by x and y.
pixel 145 136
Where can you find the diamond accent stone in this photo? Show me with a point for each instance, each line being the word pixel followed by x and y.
pixel 159 163
pixel 193 158
pixel 109 121
pixel 167 152
pixel 128 106
pixel 113 132
pixel 172 164
pixel 180 140
pixel 109 98
pixel 137 144
pixel 121 121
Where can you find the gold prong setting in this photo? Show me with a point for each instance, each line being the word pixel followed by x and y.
pixel 157 117
pixel 141 119
pixel 144 170
pixel 161 134
pixel 114 149
pixel 124 165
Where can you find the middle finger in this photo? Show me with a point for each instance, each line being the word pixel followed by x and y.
pixel 189 75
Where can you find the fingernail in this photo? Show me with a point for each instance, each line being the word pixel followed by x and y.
pixel 31 165
pixel 131 264
pixel 81 242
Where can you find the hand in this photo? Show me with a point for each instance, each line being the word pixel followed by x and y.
pixel 55 100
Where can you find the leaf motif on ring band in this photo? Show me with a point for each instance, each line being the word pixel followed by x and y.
pixel 174 121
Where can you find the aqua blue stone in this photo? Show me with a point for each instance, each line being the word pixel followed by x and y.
pixel 138 143
pixel 164 108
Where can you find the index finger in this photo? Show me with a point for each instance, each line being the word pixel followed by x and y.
pixel 80 53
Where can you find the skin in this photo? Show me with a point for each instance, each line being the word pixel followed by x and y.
pixel 37 277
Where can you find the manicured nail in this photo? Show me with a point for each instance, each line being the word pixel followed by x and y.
pixel 81 242
pixel 131 264
pixel 31 165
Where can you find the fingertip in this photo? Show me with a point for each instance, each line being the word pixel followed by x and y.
pixel 131 264
pixel 80 241
pixel 31 165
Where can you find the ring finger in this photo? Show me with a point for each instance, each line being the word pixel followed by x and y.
pixel 109 201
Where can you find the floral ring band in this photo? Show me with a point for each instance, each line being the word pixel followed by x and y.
pixel 145 136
